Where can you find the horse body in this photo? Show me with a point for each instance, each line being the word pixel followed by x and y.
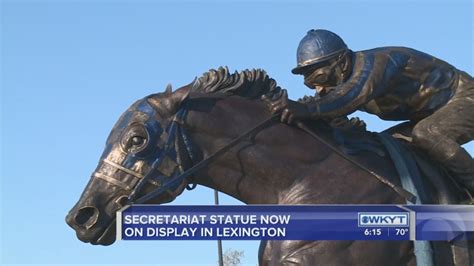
pixel 258 172
pixel 280 164
pixel 262 162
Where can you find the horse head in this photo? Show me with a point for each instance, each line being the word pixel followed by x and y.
pixel 138 158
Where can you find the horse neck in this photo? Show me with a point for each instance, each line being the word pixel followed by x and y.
pixel 259 170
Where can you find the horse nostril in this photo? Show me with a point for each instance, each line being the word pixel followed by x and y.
pixel 86 217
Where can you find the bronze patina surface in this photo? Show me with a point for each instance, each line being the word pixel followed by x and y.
pixel 278 164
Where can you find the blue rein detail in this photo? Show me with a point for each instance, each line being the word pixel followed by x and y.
pixel 191 154
pixel 411 181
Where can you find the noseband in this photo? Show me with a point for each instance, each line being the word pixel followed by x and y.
pixel 115 181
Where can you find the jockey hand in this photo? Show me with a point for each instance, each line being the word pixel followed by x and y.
pixel 290 111
pixel 346 124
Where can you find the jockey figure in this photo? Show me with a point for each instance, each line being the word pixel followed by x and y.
pixel 394 83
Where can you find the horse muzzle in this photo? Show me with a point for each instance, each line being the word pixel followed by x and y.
pixel 85 222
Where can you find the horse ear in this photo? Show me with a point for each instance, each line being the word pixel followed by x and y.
pixel 169 102
pixel 169 89
pixel 181 95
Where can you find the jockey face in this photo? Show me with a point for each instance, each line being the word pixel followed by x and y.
pixel 320 79
pixel 325 76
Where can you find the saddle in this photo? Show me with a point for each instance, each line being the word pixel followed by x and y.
pixel 435 185
pixel 429 181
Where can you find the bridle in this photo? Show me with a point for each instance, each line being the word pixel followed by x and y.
pixel 115 181
pixel 167 157
pixel 163 182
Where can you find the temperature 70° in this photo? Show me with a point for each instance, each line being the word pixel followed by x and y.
pixel 401 231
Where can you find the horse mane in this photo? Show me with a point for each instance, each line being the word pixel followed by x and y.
pixel 247 83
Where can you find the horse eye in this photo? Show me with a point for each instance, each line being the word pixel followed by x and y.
pixel 137 140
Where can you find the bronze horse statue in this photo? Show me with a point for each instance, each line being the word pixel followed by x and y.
pixel 279 164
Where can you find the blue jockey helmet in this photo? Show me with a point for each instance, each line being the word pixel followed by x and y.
pixel 316 47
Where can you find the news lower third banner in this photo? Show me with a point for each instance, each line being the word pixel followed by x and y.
pixel 296 222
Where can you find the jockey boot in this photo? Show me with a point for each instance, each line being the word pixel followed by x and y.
pixel 455 158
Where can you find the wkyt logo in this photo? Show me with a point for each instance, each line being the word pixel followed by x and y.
pixel 395 219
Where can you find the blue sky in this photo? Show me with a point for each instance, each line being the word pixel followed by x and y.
pixel 70 68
